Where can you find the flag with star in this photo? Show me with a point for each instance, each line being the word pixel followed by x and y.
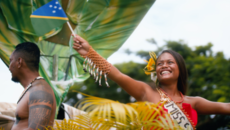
pixel 48 17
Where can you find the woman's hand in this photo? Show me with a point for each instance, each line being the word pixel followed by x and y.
pixel 80 45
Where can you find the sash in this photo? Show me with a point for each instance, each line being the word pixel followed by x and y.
pixel 176 114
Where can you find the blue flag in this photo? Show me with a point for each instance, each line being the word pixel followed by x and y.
pixel 48 17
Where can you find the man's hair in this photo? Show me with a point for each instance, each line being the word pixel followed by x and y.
pixel 183 74
pixel 30 53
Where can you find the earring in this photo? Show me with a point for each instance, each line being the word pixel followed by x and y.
pixel 154 77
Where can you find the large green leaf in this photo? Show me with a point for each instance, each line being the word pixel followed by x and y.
pixel 105 24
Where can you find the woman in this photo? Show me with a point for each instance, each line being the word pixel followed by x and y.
pixel 172 76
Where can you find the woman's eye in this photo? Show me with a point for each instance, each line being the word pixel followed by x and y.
pixel 159 64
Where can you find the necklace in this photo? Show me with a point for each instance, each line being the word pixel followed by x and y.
pixel 28 87
pixel 182 96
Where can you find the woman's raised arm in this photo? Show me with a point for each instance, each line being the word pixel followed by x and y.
pixel 135 88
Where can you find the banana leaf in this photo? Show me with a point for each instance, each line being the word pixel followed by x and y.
pixel 105 24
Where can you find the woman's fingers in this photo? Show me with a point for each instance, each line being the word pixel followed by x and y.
pixel 77 46
pixel 79 43
pixel 75 39
pixel 78 39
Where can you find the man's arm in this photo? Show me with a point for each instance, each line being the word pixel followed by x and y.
pixel 40 109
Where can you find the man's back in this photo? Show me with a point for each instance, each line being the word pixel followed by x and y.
pixel 37 107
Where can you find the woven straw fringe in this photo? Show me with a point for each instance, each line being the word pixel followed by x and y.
pixel 96 65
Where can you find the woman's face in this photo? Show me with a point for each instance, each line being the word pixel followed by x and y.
pixel 167 69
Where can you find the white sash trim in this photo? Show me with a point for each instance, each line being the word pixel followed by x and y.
pixel 176 114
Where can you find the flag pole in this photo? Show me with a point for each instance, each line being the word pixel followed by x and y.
pixel 74 35
pixel 71 28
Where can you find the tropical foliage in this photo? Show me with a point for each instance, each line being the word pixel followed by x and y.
pixel 107 114
pixel 105 24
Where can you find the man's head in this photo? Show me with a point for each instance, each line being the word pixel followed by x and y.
pixel 25 56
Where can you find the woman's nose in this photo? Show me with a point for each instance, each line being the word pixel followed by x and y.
pixel 165 65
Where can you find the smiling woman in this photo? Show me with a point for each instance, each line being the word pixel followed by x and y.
pixel 171 88
pixel 176 68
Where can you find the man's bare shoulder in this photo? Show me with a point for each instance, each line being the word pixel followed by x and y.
pixel 41 91
pixel 42 105
pixel 41 85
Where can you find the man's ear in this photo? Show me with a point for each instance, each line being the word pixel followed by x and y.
pixel 19 65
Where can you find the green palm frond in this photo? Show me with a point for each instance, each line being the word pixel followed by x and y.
pixel 84 122
pixel 105 114
pixel 66 125
pixel 107 109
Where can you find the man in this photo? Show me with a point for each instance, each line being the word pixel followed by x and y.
pixel 37 105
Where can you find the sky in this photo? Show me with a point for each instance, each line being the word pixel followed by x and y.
pixel 197 22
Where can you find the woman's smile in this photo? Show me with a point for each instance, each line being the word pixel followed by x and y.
pixel 167 67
